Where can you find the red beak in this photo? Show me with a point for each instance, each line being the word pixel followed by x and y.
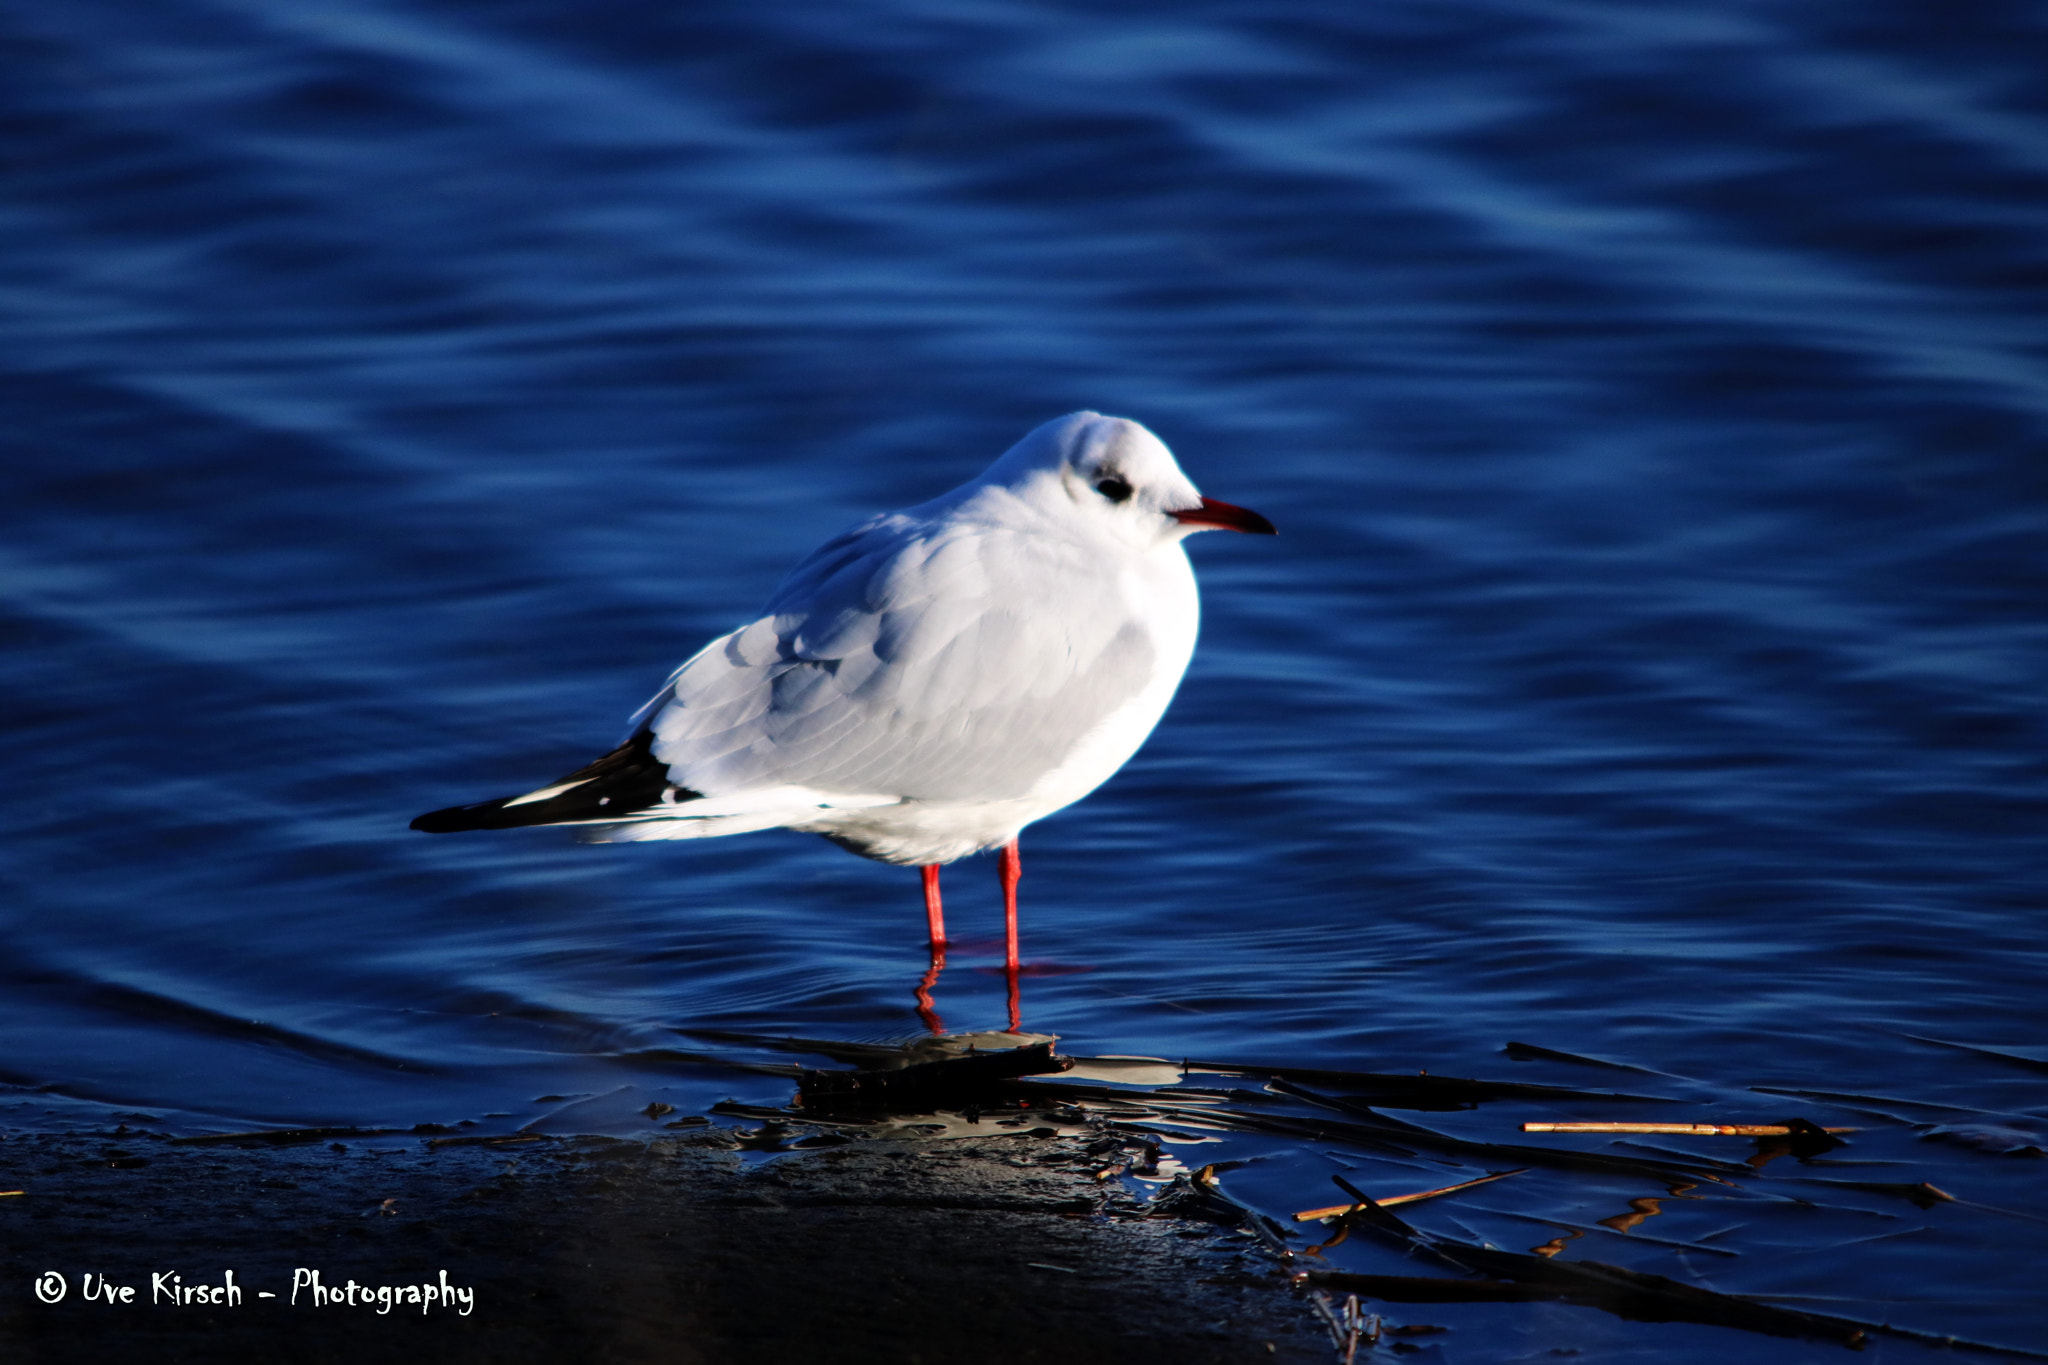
pixel 1225 516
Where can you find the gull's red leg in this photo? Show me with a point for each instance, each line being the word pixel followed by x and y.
pixel 1010 868
pixel 934 913
pixel 935 917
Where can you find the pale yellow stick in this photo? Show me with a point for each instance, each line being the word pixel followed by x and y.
pixel 1335 1210
pixel 1690 1129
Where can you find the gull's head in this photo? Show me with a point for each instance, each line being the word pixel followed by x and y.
pixel 1111 474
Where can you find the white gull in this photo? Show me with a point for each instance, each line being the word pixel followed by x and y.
pixel 932 681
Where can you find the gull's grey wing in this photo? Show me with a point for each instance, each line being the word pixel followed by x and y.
pixel 930 663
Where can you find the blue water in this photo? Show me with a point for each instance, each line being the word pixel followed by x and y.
pixel 1652 400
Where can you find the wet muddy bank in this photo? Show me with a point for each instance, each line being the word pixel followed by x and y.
pixel 684 1248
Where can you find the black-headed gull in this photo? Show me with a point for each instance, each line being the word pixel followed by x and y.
pixel 932 681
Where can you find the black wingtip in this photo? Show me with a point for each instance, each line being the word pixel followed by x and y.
pixel 626 780
pixel 457 818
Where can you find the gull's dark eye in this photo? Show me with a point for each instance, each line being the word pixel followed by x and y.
pixel 1113 488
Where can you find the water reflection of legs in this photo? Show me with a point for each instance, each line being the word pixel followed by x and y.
pixel 935 922
pixel 925 1010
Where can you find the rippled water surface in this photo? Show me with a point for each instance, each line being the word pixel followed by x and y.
pixel 1652 665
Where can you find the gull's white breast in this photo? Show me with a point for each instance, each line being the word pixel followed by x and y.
pixel 927 685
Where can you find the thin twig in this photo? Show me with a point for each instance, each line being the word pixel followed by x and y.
pixel 1339 1210
pixel 1321 1303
